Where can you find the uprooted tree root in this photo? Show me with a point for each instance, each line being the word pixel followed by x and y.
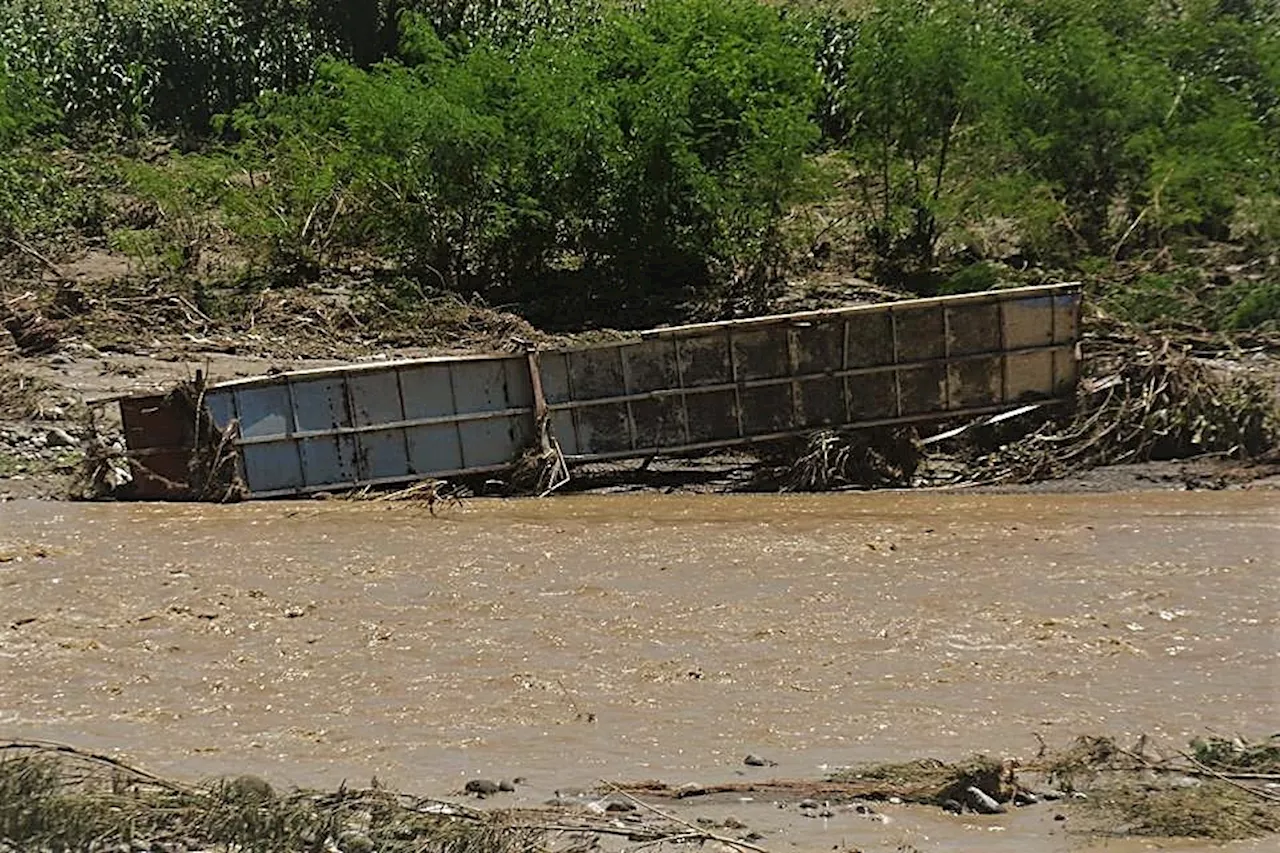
pixel 828 460
pixel 1141 398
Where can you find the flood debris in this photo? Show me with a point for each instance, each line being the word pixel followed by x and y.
pixel 31 332
pixel 1141 398
pixel 173 450
pixel 848 383
pixel 55 797
pixel 829 460
pixel 1222 789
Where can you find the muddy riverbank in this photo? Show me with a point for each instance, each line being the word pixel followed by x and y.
pixel 640 636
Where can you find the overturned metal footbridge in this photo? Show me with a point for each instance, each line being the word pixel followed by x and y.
pixel 673 390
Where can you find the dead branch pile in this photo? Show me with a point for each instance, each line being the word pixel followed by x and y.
pixel 1140 399
pixel 434 493
pixel 829 460
pixel 925 781
pixel 1223 789
pixel 58 798
pixel 31 331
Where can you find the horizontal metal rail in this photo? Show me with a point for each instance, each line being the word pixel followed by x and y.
pixel 775 436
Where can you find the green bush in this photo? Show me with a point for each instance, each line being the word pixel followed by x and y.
pixel 649 156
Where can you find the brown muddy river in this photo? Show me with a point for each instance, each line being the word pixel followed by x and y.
pixel 638 637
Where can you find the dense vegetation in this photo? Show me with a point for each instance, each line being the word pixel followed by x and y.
pixel 609 162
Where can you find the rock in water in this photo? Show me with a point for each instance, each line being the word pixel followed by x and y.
pixel 482 787
pixel 754 760
pixel 981 802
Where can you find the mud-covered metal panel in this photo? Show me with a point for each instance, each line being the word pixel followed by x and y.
pixel 602 428
pixel 704 360
pixel 973 329
pixel 868 339
pixel 154 422
pixel 713 416
pixel 1066 318
pixel 818 347
pixel 923 389
pixel 648 366
pixel 762 353
pixel 920 333
pixel 1029 376
pixel 975 382
pixel 659 421
pixel 1028 322
pixel 820 403
pixel 872 396
pixel 768 409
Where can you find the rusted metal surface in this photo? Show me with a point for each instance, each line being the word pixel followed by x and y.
pixel 671 390
pixel 160 439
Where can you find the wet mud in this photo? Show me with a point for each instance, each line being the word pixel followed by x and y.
pixel 633 637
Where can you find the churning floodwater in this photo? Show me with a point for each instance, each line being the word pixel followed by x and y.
pixel 641 637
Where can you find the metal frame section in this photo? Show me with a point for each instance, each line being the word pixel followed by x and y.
pixel 699 387
pixel 671 390
pixel 378 423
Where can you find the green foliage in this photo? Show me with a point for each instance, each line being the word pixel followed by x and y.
pixel 1186 296
pixel 922 85
pixel 1259 305
pixel 648 154
pixel 615 156
pixel 158 64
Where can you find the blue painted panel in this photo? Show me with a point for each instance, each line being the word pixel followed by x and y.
pixel 495 441
pixel 375 397
pixel 328 460
pixel 263 410
pixel 562 427
pixel 222 407
pixel 554 367
pixel 480 386
pixel 519 388
pixel 383 455
pixel 434 448
pixel 427 391
pixel 320 404
pixel 271 467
